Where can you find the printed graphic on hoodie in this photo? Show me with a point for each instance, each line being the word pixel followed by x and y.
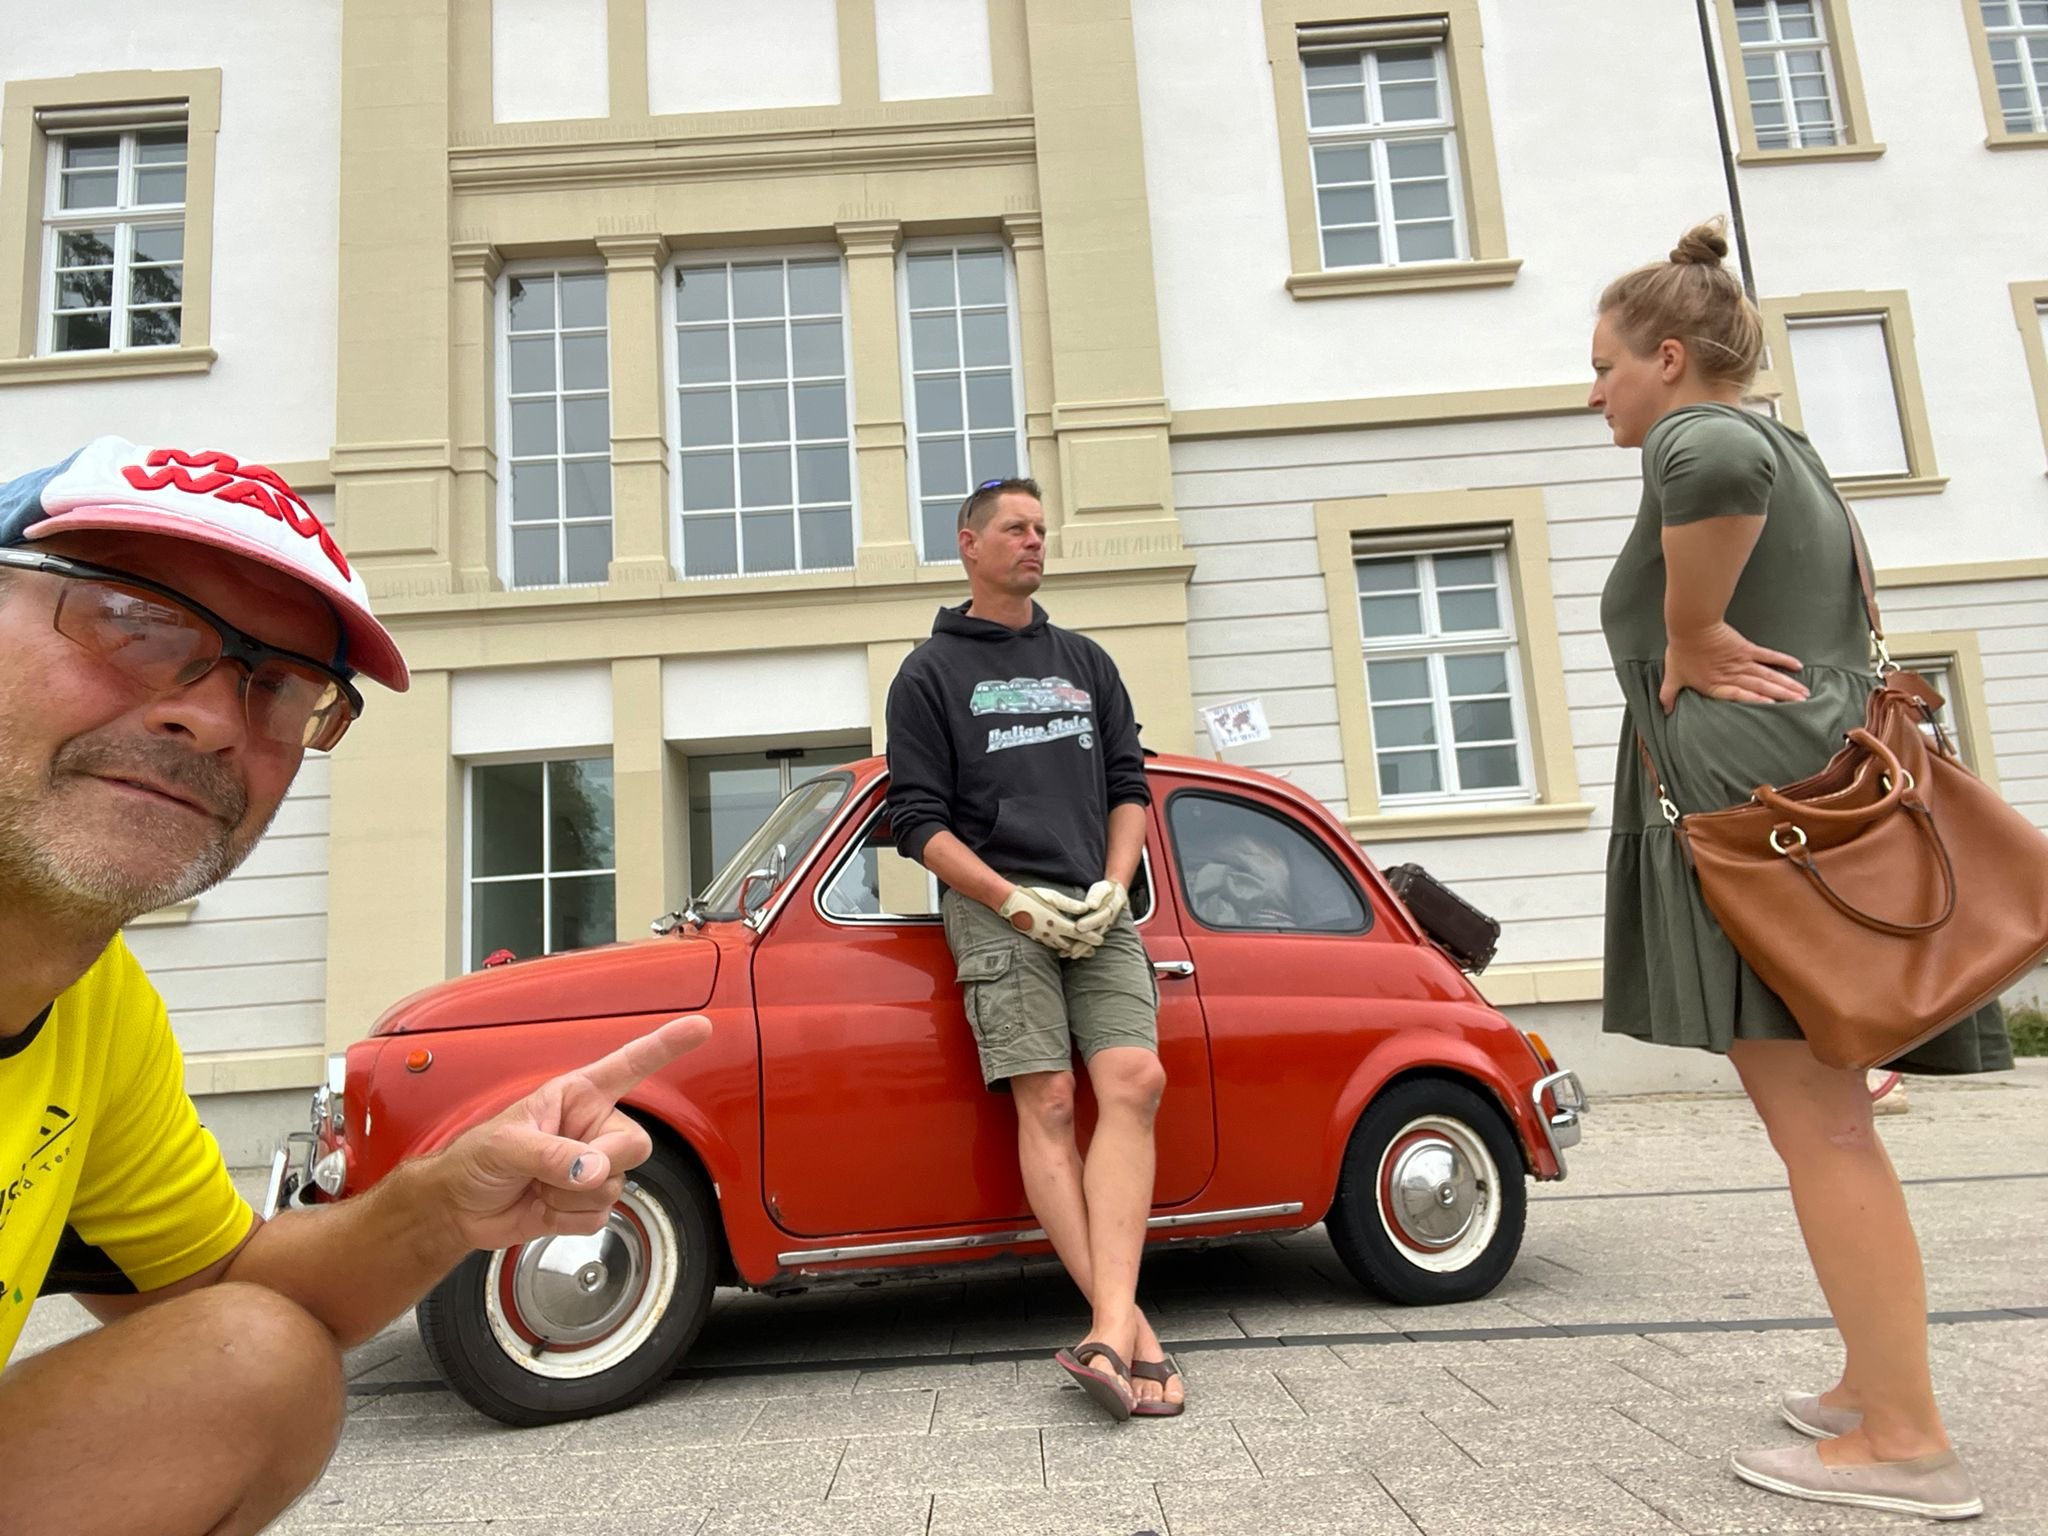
pixel 1034 696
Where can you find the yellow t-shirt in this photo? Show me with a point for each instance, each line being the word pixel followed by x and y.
pixel 108 1182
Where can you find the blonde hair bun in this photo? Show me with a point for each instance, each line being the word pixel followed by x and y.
pixel 1704 245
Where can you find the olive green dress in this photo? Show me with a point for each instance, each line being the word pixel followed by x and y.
pixel 1672 977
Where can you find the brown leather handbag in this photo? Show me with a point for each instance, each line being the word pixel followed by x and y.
pixel 1886 897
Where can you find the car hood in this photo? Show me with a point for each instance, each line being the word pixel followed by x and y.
pixel 665 975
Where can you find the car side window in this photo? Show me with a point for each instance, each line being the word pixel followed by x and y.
pixel 874 884
pixel 1246 868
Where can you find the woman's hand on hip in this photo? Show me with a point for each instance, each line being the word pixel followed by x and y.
pixel 1720 663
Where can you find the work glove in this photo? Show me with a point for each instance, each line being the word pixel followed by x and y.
pixel 1048 917
pixel 1106 901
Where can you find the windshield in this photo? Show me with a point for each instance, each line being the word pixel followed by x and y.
pixel 795 824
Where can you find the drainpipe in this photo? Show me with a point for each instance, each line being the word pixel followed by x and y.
pixel 1727 153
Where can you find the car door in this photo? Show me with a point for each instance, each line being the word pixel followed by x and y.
pixel 1299 977
pixel 874 1116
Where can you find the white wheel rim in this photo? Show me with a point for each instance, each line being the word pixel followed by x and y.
pixel 571 1307
pixel 1437 1194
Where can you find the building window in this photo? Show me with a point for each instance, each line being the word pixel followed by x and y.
pixel 1387 162
pixel 114 238
pixel 558 424
pixel 1789 75
pixel 2016 41
pixel 1441 674
pixel 1383 150
pixel 1796 93
pixel 2030 314
pixel 966 427
pixel 764 461
pixel 732 794
pixel 541 857
pixel 1953 662
pixel 106 180
pixel 1846 363
pixel 1451 706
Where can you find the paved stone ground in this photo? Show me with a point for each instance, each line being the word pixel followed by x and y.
pixel 932 1408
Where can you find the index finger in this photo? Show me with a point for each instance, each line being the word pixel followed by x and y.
pixel 633 1063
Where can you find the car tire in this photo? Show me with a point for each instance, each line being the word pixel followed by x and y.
pixel 1431 1199
pixel 568 1327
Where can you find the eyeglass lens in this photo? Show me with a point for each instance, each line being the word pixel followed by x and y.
pixel 166 647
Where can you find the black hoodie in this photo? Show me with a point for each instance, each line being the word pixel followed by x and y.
pixel 1017 741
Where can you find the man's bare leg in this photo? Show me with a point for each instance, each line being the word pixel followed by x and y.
pixel 211 1412
pixel 1053 1183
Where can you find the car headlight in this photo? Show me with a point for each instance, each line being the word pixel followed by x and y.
pixel 331 1172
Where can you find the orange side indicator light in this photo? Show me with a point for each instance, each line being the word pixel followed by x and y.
pixel 419 1060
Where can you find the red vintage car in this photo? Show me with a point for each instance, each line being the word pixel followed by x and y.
pixel 1326 1062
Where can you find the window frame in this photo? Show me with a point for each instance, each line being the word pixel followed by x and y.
pixel 1845 79
pixel 2030 314
pixel 546 876
pixel 25 171
pixel 1922 477
pixel 502 406
pixel 672 386
pixel 1293 824
pixel 127 219
pixel 1996 134
pixel 1958 652
pixel 1431 647
pixel 1553 802
pixel 917 245
pixel 1485 261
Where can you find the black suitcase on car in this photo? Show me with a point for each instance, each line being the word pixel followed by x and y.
pixel 1457 927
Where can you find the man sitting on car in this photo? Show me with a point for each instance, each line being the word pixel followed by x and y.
pixel 176 629
pixel 1016 778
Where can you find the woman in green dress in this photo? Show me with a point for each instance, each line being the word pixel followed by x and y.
pixel 1738 635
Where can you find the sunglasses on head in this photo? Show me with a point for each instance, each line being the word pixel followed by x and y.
pixel 163 640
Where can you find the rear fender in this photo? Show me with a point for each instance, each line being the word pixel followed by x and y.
pixel 1444 1053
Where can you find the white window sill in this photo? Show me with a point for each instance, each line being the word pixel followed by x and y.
pixel 139 362
pixel 1344 282
pixel 1567 981
pixel 1818 153
pixel 1469 821
pixel 1900 485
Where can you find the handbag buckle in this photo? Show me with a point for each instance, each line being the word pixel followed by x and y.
pixel 1886 780
pixel 1780 849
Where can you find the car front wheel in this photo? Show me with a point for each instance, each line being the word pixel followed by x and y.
pixel 565 1327
pixel 1431 1200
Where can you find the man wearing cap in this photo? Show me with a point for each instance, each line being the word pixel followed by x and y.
pixel 176 629
pixel 1016 777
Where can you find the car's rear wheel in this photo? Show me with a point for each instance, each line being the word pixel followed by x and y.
pixel 565 1327
pixel 1431 1200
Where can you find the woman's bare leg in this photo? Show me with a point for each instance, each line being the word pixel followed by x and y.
pixel 1859 1237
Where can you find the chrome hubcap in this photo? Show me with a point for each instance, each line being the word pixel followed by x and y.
pixel 1438 1193
pixel 571 1307
pixel 573 1289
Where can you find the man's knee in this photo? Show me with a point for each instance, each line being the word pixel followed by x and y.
pixel 1045 1102
pixel 267 1358
pixel 1130 1080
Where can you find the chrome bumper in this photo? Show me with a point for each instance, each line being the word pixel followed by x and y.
pixel 291 1178
pixel 1561 1124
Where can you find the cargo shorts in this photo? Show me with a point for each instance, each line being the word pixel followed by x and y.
pixel 1030 1009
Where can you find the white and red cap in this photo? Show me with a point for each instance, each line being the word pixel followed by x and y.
pixel 211 498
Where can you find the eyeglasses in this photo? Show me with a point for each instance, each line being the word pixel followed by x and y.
pixel 165 641
pixel 989 485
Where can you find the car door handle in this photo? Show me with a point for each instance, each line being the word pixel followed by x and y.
pixel 1182 968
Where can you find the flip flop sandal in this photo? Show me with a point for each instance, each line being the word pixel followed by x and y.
pixel 1161 1371
pixel 1111 1393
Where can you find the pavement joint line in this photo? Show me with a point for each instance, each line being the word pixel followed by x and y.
pixel 1292 1341
pixel 1774 1189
